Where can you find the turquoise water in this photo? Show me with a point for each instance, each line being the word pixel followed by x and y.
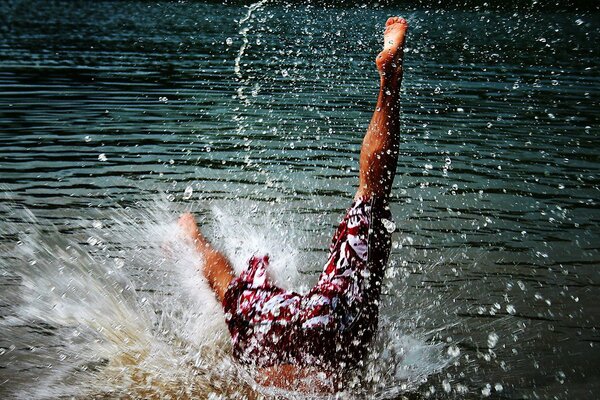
pixel 116 113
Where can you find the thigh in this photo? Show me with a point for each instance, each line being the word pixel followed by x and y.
pixel 361 244
pixel 343 307
pixel 261 317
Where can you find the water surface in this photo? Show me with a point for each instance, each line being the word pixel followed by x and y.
pixel 116 116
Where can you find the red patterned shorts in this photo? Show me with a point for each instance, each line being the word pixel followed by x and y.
pixel 334 322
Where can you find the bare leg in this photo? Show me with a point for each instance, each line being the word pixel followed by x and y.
pixel 217 268
pixel 379 152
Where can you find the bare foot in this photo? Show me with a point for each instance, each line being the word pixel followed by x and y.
pixel 215 267
pixel 389 61
pixel 188 224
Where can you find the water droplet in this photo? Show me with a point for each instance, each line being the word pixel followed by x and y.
pixel 102 157
pixel 87 138
pixel 453 351
pixel 229 41
pixel 492 340
pixel 511 309
pixel 163 99
pixel 446 386
pixel 498 387
pixel 389 226
pixel 187 194
pixel 487 390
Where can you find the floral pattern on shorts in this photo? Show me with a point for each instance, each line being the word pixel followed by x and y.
pixel 334 322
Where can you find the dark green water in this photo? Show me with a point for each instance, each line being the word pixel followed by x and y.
pixel 105 105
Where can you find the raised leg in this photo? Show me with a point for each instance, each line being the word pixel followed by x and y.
pixel 379 152
pixel 217 268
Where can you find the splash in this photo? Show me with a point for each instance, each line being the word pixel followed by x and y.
pixel 243 32
pixel 122 315
pixel 116 307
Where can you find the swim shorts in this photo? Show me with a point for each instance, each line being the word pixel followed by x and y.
pixel 331 325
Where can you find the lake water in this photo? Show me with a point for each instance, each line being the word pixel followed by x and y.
pixel 117 116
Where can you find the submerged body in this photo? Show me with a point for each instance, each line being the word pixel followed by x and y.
pixel 312 340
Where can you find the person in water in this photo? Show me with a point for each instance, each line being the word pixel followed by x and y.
pixel 288 336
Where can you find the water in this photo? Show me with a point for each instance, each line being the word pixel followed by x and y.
pixel 117 116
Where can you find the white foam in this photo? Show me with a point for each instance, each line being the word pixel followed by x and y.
pixel 131 314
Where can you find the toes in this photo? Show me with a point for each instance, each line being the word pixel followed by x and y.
pixel 390 21
pixel 395 20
